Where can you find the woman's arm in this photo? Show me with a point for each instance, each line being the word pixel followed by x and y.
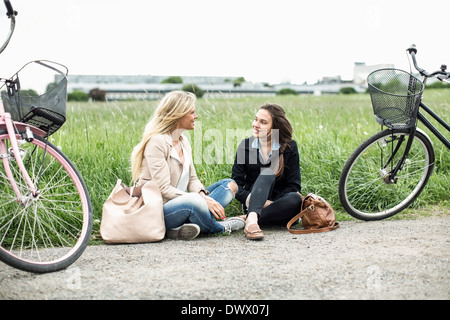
pixel 291 175
pixel 194 185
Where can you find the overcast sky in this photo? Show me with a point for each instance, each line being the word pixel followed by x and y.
pixel 271 41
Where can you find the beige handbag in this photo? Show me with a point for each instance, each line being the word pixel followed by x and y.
pixel 128 219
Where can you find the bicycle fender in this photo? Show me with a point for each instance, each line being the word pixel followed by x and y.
pixel 425 134
pixel 21 127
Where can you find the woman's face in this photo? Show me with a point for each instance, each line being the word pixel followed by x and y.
pixel 262 124
pixel 188 120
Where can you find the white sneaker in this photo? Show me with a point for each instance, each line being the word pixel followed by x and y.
pixel 187 231
pixel 232 224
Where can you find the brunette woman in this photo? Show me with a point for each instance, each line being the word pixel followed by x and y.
pixel 267 172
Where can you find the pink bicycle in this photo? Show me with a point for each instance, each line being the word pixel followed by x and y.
pixel 45 208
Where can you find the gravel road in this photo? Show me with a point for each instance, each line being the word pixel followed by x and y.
pixel 396 259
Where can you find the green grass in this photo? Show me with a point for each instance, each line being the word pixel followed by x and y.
pixel 99 137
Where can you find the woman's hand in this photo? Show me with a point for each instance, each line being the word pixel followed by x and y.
pixel 215 208
pixel 268 202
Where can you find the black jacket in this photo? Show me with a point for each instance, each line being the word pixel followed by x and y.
pixel 247 167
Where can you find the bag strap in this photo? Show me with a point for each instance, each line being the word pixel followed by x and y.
pixel 119 196
pixel 305 231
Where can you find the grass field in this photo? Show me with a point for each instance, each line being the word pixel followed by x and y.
pixel 99 137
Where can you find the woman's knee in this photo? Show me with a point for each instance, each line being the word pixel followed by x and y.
pixel 232 185
pixel 293 200
pixel 229 184
pixel 265 181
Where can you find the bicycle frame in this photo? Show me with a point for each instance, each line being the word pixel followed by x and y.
pixel 432 128
pixel 391 176
pixel 7 123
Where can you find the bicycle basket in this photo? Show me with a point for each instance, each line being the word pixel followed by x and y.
pixel 396 97
pixel 47 111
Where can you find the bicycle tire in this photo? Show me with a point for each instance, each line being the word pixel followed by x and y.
pixel 49 232
pixel 363 190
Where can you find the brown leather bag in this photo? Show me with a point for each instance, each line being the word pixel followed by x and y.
pixel 317 216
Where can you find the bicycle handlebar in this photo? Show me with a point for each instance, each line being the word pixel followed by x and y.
pixel 12 15
pixel 446 75
pixel 10 9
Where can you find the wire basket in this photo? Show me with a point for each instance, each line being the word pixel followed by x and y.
pixel 396 97
pixel 47 111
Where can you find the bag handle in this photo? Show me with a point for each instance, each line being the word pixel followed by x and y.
pixel 305 231
pixel 119 196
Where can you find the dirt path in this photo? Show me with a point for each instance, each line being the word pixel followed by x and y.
pixel 399 259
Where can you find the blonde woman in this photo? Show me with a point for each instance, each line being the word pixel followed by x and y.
pixel 164 155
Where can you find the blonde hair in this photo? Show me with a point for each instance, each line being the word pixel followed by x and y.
pixel 171 108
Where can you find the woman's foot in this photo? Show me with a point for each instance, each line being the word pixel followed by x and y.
pixel 232 224
pixel 252 230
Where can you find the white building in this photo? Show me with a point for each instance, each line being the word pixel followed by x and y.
pixel 147 87
pixel 361 71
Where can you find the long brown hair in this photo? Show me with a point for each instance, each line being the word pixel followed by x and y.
pixel 282 124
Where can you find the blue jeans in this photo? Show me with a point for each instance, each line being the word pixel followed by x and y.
pixel 192 208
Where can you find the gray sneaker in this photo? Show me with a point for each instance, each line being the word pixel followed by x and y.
pixel 187 231
pixel 232 224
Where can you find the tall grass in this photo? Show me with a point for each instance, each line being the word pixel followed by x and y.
pixel 99 137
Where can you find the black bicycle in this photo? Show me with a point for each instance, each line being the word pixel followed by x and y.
pixel 389 170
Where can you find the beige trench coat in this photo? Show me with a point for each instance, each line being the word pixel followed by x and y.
pixel 162 165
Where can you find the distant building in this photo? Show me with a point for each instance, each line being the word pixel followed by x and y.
pixel 361 71
pixel 329 80
pixel 148 87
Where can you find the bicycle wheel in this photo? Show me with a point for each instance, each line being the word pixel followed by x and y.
pixel 364 191
pixel 47 232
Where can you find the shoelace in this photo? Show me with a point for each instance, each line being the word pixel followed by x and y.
pixel 227 226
